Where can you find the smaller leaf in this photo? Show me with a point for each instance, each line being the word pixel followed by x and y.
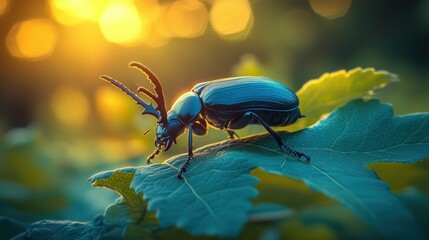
pixel 54 229
pixel 119 180
pixel 321 96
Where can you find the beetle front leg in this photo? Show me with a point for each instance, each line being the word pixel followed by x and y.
pixel 152 156
pixel 185 166
pixel 278 139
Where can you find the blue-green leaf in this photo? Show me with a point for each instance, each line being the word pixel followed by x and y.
pixel 214 198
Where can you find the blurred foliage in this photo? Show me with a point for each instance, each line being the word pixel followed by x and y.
pixel 60 123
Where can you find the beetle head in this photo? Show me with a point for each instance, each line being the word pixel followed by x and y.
pixel 166 134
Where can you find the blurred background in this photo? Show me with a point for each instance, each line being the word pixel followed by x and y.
pixel 60 123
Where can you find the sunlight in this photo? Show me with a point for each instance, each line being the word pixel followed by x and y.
pixel 121 23
pixel 330 8
pixel 187 18
pixel 4 4
pixel 114 107
pixel 70 106
pixel 118 149
pixel 32 39
pixel 69 12
pixel 155 39
pixel 161 26
pixel 230 17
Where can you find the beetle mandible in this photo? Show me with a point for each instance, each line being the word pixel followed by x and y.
pixel 230 103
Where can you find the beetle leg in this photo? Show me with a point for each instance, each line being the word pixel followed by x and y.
pixel 278 139
pixel 152 156
pixel 232 134
pixel 185 165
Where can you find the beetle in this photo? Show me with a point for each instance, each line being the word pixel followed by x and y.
pixel 229 103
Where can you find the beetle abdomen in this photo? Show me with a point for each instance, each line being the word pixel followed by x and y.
pixel 246 94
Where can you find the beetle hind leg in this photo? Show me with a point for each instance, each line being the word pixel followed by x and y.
pixel 278 139
pixel 297 154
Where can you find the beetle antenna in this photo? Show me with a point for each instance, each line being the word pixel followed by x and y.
pixel 146 92
pixel 159 98
pixel 148 108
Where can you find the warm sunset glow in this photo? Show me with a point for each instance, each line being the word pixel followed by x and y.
pixel 160 24
pixel 69 12
pixel 230 17
pixel 331 8
pixel 32 39
pixel 121 23
pixel 115 149
pixel 70 106
pixel 3 6
pixel 187 18
pixel 110 102
pixel 155 39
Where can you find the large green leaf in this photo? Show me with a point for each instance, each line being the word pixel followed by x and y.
pixel 214 197
pixel 321 96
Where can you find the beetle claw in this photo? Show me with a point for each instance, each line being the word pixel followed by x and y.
pixel 297 154
pixel 181 171
pixel 183 168
pixel 307 158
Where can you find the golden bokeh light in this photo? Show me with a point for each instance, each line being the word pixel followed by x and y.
pixel 330 9
pixel 117 149
pixel 32 39
pixel 69 12
pixel 155 39
pixel 160 24
pixel 114 107
pixel 187 18
pixel 70 106
pixel 230 17
pixel 121 23
pixel 4 4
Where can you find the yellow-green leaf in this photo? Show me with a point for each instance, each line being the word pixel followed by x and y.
pixel 119 180
pixel 318 97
